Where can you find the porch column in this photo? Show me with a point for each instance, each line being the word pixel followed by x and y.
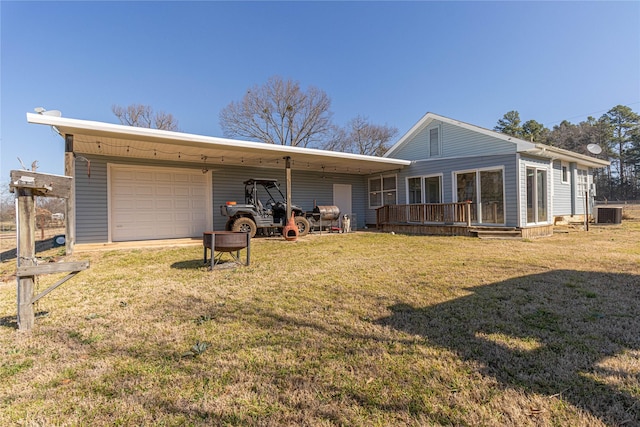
pixel 288 189
pixel 70 203
pixel 573 168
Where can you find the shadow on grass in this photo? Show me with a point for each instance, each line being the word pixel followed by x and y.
pixel 192 264
pixel 41 246
pixel 11 322
pixel 554 334
pixel 198 264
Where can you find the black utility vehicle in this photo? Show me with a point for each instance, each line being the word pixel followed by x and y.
pixel 268 215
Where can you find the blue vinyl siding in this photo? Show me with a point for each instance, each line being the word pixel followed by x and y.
pixel 455 142
pixel 561 191
pixel 447 167
pixel 92 208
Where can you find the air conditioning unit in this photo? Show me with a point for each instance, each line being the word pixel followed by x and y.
pixel 609 215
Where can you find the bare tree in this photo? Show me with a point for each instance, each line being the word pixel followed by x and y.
pixel 361 137
pixel 143 116
pixel 7 206
pixel 279 112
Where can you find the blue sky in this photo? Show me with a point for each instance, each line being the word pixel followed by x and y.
pixel 390 61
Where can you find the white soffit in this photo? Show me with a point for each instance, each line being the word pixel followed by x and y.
pixel 108 139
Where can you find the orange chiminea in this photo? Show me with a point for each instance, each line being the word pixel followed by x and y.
pixel 290 231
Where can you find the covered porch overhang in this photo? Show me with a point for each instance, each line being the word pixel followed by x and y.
pixel 112 140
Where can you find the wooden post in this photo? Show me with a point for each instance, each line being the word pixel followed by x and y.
pixel 468 213
pixel 586 211
pixel 70 202
pixel 26 254
pixel 27 185
pixel 288 179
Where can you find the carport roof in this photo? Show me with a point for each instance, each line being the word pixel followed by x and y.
pixel 107 139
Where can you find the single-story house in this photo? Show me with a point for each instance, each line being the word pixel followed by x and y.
pixel 136 183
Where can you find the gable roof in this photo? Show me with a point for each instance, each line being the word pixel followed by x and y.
pixel 107 139
pixel 522 146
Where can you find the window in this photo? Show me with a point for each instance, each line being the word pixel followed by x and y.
pixel 434 142
pixel 485 190
pixel 432 186
pixel 433 189
pixel 382 191
pixel 536 195
pixel 466 185
pixel 415 190
pixel 565 174
pixel 491 197
pixel 375 192
pixel 389 190
pixel 582 182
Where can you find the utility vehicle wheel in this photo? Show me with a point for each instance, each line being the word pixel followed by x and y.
pixel 303 225
pixel 229 225
pixel 246 225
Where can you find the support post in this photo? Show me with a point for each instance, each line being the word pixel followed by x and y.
pixel 26 221
pixel 288 179
pixel 468 213
pixel 586 211
pixel 70 203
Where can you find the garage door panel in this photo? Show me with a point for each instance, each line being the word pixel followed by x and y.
pixel 182 204
pixel 197 204
pixel 164 190
pixel 142 176
pixel 181 177
pixel 144 204
pixel 164 204
pixel 158 204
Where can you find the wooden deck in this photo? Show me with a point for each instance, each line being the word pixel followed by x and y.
pixel 450 219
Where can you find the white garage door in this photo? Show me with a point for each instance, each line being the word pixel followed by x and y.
pixel 158 203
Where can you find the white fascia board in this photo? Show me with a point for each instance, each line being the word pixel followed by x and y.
pixel 71 126
pixel 555 153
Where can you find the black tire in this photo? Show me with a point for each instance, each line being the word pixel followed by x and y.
pixel 303 225
pixel 229 225
pixel 246 225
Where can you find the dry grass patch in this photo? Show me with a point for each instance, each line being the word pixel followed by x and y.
pixel 359 329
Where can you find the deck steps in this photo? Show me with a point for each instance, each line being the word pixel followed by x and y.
pixel 505 233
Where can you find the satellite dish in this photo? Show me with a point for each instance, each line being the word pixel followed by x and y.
pixel 594 149
pixel 54 113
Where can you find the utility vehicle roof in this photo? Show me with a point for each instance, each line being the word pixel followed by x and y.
pixel 267 182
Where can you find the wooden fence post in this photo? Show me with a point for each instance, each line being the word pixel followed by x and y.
pixel 26 254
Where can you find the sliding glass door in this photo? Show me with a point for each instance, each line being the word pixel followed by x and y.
pixel 536 195
pixel 485 190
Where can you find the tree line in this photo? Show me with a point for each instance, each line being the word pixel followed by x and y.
pixel 281 112
pixel 616 134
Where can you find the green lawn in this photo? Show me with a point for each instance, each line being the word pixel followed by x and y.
pixel 360 329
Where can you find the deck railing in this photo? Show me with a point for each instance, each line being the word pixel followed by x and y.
pixel 439 213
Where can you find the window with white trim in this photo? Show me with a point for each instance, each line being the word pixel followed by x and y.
pixel 565 174
pixel 414 186
pixel 582 182
pixel 424 189
pixel 484 189
pixel 382 191
pixel 536 195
